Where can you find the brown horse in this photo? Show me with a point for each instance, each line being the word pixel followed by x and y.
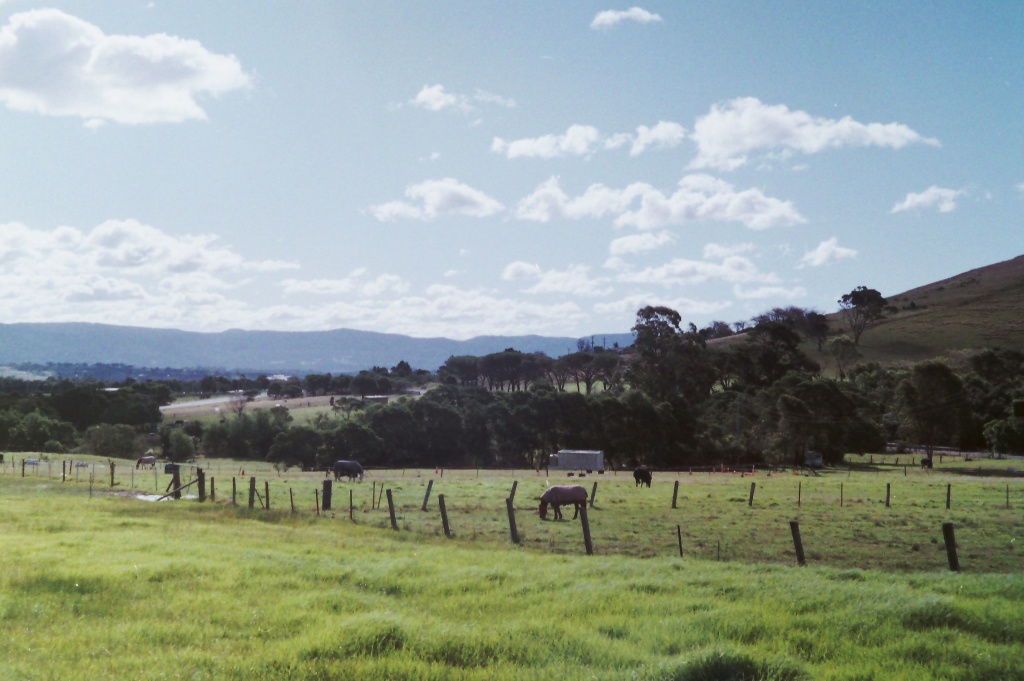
pixel 561 495
pixel 146 462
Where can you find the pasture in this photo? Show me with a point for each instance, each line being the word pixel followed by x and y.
pixel 107 586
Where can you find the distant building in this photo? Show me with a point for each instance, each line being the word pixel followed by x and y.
pixel 814 459
pixel 376 399
pixel 577 460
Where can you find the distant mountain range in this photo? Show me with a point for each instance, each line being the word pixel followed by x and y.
pixel 338 351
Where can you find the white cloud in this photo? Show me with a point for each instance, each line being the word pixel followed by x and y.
pixel 627 306
pixel 933 197
pixel 609 17
pixel 578 140
pixel 698 197
pixel 683 272
pixel 55 64
pixel 1020 187
pixel 722 251
pixel 664 134
pixel 766 292
pixel 585 140
pixel 731 131
pixel 435 198
pixel 574 280
pixel 639 243
pixel 436 98
pixel 828 251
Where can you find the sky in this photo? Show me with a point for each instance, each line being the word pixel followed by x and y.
pixel 466 168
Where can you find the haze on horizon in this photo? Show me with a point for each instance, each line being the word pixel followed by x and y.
pixel 468 168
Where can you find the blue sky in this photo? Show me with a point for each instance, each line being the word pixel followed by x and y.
pixel 469 168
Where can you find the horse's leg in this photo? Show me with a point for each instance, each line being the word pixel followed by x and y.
pixel 577 513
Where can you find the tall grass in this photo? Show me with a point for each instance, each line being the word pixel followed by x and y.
pixel 112 587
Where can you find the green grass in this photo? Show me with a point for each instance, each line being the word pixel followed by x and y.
pixel 114 587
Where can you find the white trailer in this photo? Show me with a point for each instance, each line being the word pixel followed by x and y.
pixel 588 460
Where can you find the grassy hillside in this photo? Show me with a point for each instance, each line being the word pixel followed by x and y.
pixel 976 309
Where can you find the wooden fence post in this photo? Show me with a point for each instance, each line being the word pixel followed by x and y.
pixel 679 536
pixel 266 494
pixel 112 466
pixel 840 495
pixel 593 494
pixel 585 522
pixel 888 493
pixel 794 527
pixel 380 494
pixel 64 472
pixel 373 496
pixel 325 498
pixel 949 538
pixel 426 497
pixel 316 500
pixel 753 486
pixel 512 494
pixel 391 511
pixel 949 494
pixel 201 476
pixel 512 521
pixel 799 492
pixel 351 505
pixel 444 516
pixel 252 492
pixel 675 494
pixel 175 483
pixel 213 489
pixel 291 499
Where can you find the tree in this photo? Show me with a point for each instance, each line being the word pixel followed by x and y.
pixel 669 362
pixel 297 446
pixel 844 352
pixel 861 306
pixel 933 402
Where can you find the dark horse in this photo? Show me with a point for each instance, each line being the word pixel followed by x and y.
pixel 352 469
pixel 642 476
pixel 562 495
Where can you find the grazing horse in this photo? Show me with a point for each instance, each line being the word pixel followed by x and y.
pixel 146 462
pixel 352 469
pixel 561 495
pixel 641 476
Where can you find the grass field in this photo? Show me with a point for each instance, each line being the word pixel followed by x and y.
pixel 108 586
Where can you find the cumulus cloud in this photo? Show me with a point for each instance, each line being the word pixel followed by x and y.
pixel 639 205
pixel 55 64
pixel 827 252
pixel 610 17
pixel 731 131
pixel 769 292
pixel 933 197
pixel 639 243
pixel 578 140
pixel 574 280
pixel 121 271
pixel 436 98
pixel 733 269
pixel 435 198
pixel 628 305
pixel 585 140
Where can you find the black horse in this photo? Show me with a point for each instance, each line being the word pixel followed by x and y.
pixel 642 476
pixel 351 469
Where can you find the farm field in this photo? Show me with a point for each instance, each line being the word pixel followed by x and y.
pixel 102 585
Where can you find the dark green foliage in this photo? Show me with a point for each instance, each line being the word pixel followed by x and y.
pixel 112 440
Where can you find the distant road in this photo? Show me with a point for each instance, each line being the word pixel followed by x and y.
pixel 223 399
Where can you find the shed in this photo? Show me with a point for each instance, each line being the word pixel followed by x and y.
pixel 577 460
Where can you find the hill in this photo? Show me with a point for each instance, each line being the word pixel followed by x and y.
pixel 980 308
pixel 337 351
